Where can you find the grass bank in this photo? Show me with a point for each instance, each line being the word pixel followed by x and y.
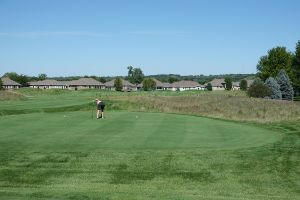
pixel 232 105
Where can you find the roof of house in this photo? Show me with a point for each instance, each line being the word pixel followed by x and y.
pixel 185 84
pixel 85 82
pixel 47 82
pixel 217 82
pixel 124 82
pixel 158 83
pixel 236 84
pixel 167 85
pixel 8 81
pixel 249 82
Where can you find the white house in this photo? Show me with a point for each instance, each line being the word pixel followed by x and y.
pixel 85 83
pixel 9 84
pixel 187 85
pixel 127 86
pixel 236 85
pixel 159 85
pixel 218 84
pixel 48 84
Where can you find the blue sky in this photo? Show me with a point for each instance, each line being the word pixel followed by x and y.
pixel 187 37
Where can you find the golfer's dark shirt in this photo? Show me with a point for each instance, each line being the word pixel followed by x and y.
pixel 101 105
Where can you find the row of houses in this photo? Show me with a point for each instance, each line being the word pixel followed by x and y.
pixel 90 83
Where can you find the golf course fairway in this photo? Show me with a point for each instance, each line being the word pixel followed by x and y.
pixel 139 155
pixel 77 131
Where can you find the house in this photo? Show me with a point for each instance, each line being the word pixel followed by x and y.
pixel 48 84
pixel 167 86
pixel 249 82
pixel 127 86
pixel 159 85
pixel 9 84
pixel 85 83
pixel 187 85
pixel 218 84
pixel 236 85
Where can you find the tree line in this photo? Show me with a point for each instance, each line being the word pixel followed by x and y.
pixel 278 74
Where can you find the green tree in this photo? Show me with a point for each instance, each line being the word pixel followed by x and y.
pixel 135 75
pixel 278 58
pixel 172 79
pixel 286 88
pixel 118 84
pixel 22 79
pixel 12 75
pixel 149 84
pixel 42 77
pixel 102 79
pixel 296 68
pixel 274 88
pixel 243 85
pixel 1 84
pixel 130 71
pixel 258 89
pixel 209 87
pixel 228 83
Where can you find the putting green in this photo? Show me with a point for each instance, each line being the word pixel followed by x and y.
pixel 76 131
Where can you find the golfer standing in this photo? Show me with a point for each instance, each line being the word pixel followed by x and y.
pixel 100 108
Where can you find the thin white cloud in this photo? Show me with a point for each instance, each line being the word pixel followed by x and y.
pixel 159 33
pixel 53 33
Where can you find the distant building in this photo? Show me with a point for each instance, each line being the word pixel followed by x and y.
pixel 167 86
pixel 236 85
pixel 85 83
pixel 218 84
pixel 187 85
pixel 10 84
pixel 159 85
pixel 249 82
pixel 48 84
pixel 127 86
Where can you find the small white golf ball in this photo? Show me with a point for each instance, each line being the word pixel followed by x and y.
pixel 136 116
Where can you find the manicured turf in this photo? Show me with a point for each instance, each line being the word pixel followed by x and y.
pixel 52 153
pixel 77 131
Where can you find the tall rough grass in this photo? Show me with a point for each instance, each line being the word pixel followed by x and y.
pixel 10 95
pixel 225 106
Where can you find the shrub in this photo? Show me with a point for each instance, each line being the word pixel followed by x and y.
pixel 258 89
pixel 149 84
pixel 118 84
pixel 228 83
pixel 209 87
pixel 1 84
pixel 285 85
pixel 274 88
pixel 243 85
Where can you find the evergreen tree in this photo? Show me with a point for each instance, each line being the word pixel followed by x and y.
pixel 274 88
pixel 285 85
pixel 118 84
pixel 243 85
